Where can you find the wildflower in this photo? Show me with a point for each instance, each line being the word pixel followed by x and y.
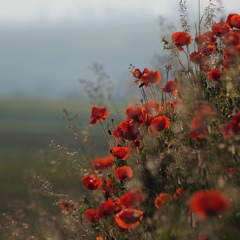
pixel 100 238
pixel 119 130
pixel 152 107
pixel 150 76
pixel 231 38
pixel 198 129
pixel 91 215
pixel 207 50
pixel 162 199
pixel 135 113
pixel 123 173
pixel 232 128
pixel 158 124
pixel 122 153
pixel 92 182
pixel 100 164
pixel 198 57
pixel 226 65
pixel 220 28
pixel 233 20
pixel 109 208
pixel 171 87
pixel 98 114
pixel 207 38
pixel 231 52
pixel 211 203
pixel 214 74
pixel 128 218
pixel 181 39
pixel 128 129
pixel 132 198
pixel 178 193
pixel 170 107
pixel 137 73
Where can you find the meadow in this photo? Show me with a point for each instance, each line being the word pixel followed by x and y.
pixel 27 127
pixel 165 167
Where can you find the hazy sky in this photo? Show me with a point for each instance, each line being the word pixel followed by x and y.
pixel 27 10
pixel 55 10
pixel 47 45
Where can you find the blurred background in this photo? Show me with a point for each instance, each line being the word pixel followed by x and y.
pixel 46 46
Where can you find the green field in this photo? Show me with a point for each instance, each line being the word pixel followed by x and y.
pixel 27 126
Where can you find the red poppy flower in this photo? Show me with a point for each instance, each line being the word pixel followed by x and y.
pixel 135 113
pixel 118 131
pixel 122 153
pixel 226 65
pixel 92 182
pixel 123 173
pixel 162 199
pixel 171 87
pixel 170 107
pixel 128 218
pixel 100 164
pixel 132 198
pixel 232 128
pixel 199 129
pixel 231 53
pixel 147 118
pixel 207 38
pixel 137 73
pixel 207 50
pixel 158 124
pixel 109 208
pixel 233 20
pixel 198 58
pixel 231 38
pixel 178 193
pixel 152 107
pixel 214 74
pixel 226 130
pixel 150 77
pixel 91 215
pixel 210 203
pixel 128 129
pixel 235 122
pixel 204 112
pixel 98 114
pixel 100 238
pixel 220 28
pixel 181 39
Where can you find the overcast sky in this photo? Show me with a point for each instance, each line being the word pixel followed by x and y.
pixel 47 45
pixel 28 10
